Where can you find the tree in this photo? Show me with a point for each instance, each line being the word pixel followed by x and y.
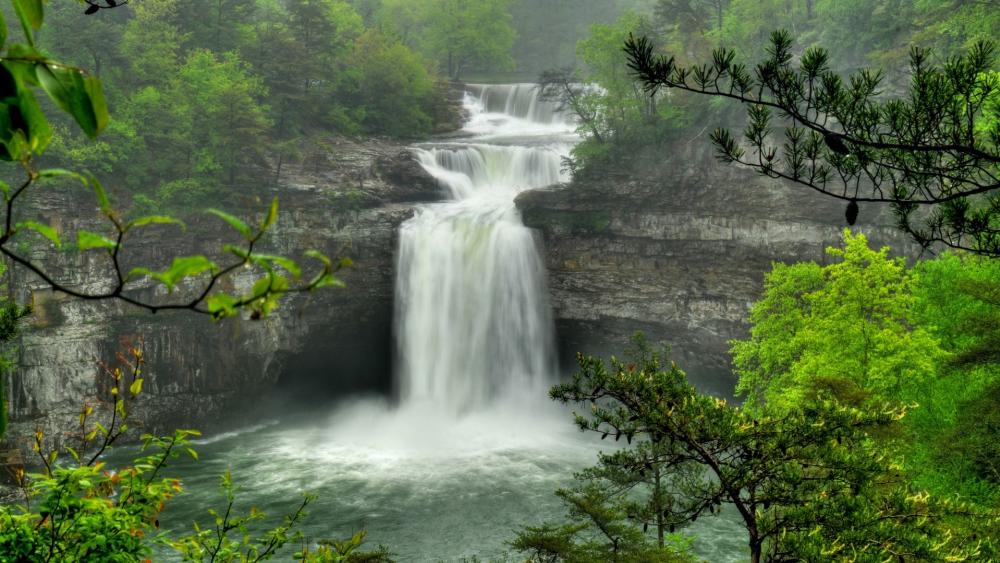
pixel 392 91
pixel 807 483
pixel 475 34
pixel 700 15
pixel 845 330
pixel 933 156
pixel 600 530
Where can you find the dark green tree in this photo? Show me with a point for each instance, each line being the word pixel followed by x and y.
pixel 807 484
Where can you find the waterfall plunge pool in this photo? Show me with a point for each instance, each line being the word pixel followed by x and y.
pixel 427 485
pixel 473 451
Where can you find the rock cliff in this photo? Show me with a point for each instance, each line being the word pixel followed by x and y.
pixel 347 200
pixel 678 250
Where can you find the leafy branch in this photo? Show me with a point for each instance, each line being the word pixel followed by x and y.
pixel 25 133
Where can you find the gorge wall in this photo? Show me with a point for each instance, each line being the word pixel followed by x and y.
pixel 346 201
pixel 678 250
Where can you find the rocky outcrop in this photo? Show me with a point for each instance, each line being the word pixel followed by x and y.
pixel 347 200
pixel 678 251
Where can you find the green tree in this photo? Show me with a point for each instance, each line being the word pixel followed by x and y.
pixel 392 92
pixel 225 120
pixel 470 34
pixel 808 483
pixel 845 329
pixel 153 42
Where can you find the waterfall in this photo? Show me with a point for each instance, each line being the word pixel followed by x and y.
pixel 473 322
pixel 515 100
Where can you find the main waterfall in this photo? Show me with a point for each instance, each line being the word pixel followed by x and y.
pixel 473 449
pixel 473 324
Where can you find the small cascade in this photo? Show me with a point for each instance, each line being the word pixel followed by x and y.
pixel 473 322
pixel 482 170
pixel 516 100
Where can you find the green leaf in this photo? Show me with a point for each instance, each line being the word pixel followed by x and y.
pixel 272 215
pixel 31 14
pixel 139 272
pixel 42 229
pixel 221 305
pixel 288 264
pixel 233 221
pixel 241 252
pixel 3 30
pixel 61 173
pixel 95 91
pixel 136 387
pixel 326 279
pixel 154 219
pixel 192 453
pixel 86 240
pixel 71 90
pixel 184 267
pixel 321 257
pixel 27 116
pixel 102 196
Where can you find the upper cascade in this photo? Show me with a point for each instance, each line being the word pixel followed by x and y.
pixel 478 170
pixel 516 100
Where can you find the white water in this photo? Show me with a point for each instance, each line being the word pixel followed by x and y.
pixel 473 323
pixel 474 450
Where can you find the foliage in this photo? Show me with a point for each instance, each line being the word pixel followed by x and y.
pixel 261 71
pixel 458 35
pixel 617 503
pixel 923 154
pixel 26 133
pixel 808 483
pixel 870 331
pixel 845 330
pixel 616 117
pixel 394 92
pixel 600 530
pixel 216 544
pixel 78 509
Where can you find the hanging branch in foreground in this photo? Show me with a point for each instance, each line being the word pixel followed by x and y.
pixel 25 133
pixel 278 273
pixel 933 155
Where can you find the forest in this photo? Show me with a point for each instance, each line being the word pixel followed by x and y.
pixel 208 206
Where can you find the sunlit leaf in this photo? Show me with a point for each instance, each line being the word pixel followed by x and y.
pixel 31 14
pixel 61 173
pixel 86 240
pixel 154 219
pixel 288 264
pixel 234 222
pixel 221 305
pixel 46 231
pixel 184 267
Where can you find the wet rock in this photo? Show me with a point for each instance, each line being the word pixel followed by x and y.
pixel 344 198
pixel 679 252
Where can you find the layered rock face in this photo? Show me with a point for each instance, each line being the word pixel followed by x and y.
pixel 348 202
pixel 678 251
